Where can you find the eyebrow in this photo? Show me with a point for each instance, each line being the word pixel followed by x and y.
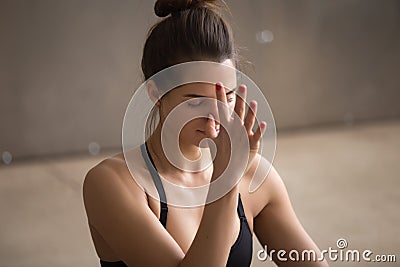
pixel 196 95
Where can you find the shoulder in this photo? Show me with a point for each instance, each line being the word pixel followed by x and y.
pixel 263 184
pixel 108 180
pixel 118 210
pixel 110 164
pixel 112 169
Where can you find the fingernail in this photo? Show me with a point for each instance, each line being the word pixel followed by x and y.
pixel 263 124
pixel 242 88
pixel 219 86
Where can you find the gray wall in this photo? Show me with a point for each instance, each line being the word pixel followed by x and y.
pixel 69 68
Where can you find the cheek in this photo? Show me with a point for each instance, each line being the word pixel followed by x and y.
pixel 164 110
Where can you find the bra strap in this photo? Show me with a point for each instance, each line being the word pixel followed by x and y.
pixel 157 181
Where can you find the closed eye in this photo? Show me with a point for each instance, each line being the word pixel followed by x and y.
pixel 194 102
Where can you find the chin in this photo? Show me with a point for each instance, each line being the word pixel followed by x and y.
pixel 203 144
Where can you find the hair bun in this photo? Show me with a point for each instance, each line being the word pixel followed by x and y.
pixel 163 8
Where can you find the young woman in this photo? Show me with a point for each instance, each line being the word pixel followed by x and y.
pixel 131 228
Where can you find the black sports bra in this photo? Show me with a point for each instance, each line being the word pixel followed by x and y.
pixel 241 251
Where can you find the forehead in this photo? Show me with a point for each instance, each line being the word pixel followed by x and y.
pixel 211 72
pixel 197 88
pixel 206 73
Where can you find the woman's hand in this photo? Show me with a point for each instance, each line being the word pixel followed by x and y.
pixel 248 122
pixel 235 142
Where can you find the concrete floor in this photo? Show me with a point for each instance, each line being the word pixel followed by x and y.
pixel 343 183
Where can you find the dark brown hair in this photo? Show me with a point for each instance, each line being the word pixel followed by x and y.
pixel 192 30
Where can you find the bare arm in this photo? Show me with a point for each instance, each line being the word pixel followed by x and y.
pixel 278 227
pixel 120 213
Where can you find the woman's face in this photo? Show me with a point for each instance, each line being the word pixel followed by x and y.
pixel 184 110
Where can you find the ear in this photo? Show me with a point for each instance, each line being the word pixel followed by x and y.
pixel 153 92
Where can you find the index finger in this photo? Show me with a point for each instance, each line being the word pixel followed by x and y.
pixel 240 105
pixel 222 102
